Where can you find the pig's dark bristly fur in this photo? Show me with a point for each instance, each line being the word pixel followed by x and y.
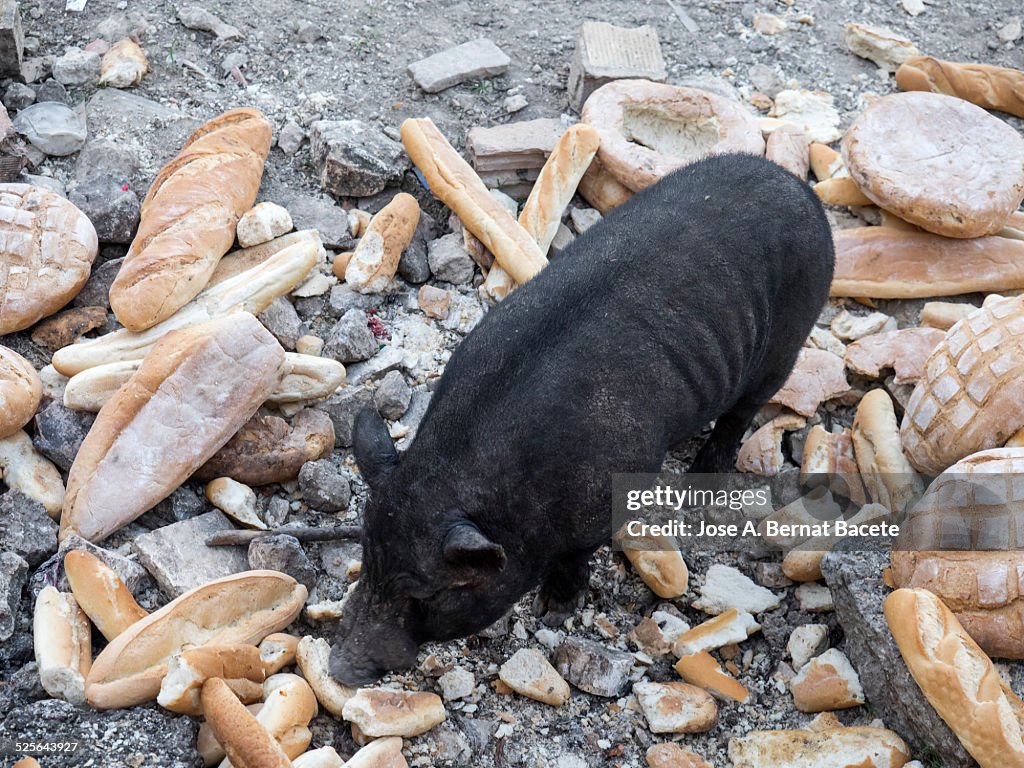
pixel 687 304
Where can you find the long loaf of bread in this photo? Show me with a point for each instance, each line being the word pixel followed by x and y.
pixel 890 263
pixel 194 390
pixel 189 217
pixel 987 86
pixel 957 678
pixel 456 184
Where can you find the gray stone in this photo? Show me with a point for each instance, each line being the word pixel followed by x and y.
pixel 129 571
pixel 46 182
pixel 18 96
pixel 51 127
pixel 178 558
pixel 584 218
pixel 355 159
pixel 35 68
pixel 344 299
pixel 605 52
pixel 118 26
pixel 766 80
pixel 59 432
pixel 342 408
pixel 283 553
pixel 96 292
pixel 592 667
pixel 290 137
pixel 350 340
pixel 281 319
pixel 563 239
pixel 323 487
pixel 497 630
pixel 53 90
pixel 417 410
pixel 196 17
pixel 449 261
pixel 319 213
pixel 115 738
pixel 183 504
pixel 413 265
pixel 464 312
pixel 393 396
pixel 76 67
pixel 458 683
pixel 477 58
pixel 12 39
pixel 308 32
pixel 516 103
pixel 102 157
pixel 25 528
pixel 13 576
pixel 341 559
pixel 855 578
pixel 277 512
pixel 113 210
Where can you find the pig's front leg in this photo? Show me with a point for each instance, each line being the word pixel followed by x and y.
pixel 563 589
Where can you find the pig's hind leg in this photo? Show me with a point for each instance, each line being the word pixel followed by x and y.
pixel 563 589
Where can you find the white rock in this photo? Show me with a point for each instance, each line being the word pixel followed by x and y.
pixel 236 500
pixel 725 587
pixel 850 327
pixel 676 707
pixel 316 285
pixel 879 44
pixel 805 642
pixel 914 8
pixel 814 598
pixel 820 338
pixel 458 683
pixel 529 673
pixel 262 223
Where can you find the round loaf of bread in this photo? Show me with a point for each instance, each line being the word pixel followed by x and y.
pixel 649 129
pixel 939 162
pixel 20 391
pixel 47 247
pixel 971 397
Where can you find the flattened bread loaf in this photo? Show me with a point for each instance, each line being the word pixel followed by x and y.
pixel 194 390
pixel 189 217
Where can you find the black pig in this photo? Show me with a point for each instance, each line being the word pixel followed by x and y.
pixel 687 304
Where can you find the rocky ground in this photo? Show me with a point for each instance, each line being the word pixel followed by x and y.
pixel 300 62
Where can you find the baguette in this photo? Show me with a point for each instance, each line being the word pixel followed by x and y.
pixel 305 378
pixel 601 189
pixel 249 291
pixel 957 678
pixel 456 184
pixel 825 162
pixel 999 88
pixel 237 665
pixel 21 389
pixel 245 259
pixel 841 190
pixel 375 259
pixel 168 420
pixel 887 263
pixel 189 218
pixel 789 147
pixel 63 645
pixel 101 593
pixel 557 183
pixel 239 609
pixel 246 742
pixel 834 746
pixel 890 479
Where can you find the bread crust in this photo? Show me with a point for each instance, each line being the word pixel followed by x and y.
pixel 991 87
pixel 957 678
pixel 189 217
pixel 246 742
pixel 375 259
pixel 101 593
pixel 453 182
pixel 20 391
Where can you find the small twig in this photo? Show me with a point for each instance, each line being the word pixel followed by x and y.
pixel 239 77
pixel 196 69
pixel 688 22
pixel 303 533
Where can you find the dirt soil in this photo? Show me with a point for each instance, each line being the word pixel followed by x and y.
pixel 303 61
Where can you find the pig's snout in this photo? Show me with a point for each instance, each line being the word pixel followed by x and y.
pixel 367 647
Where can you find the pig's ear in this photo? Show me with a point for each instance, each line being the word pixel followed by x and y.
pixel 374 450
pixel 465 544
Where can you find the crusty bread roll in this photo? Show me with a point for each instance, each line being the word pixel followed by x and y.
pixel 386 712
pixel 929 176
pixel 601 189
pixel 101 593
pixel 189 217
pixel 825 162
pixel 887 263
pixel 557 183
pixel 987 86
pixel 375 259
pixel 237 664
pixel 802 565
pixel 313 655
pixel 972 395
pixel 456 184
pixel 62 638
pixel 836 746
pixel 789 147
pixel 325 757
pixel 24 469
pixel 650 129
pixel 886 473
pixel 47 247
pixel 194 390
pixel 658 561
pixel 829 459
pixel 379 753
pixel 957 678
pixel 251 290
pixel 841 190
pixel 943 315
pixel 277 651
pixel 246 742
pixel 20 391
pixel 241 608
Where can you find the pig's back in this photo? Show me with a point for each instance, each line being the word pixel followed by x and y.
pixel 647 327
